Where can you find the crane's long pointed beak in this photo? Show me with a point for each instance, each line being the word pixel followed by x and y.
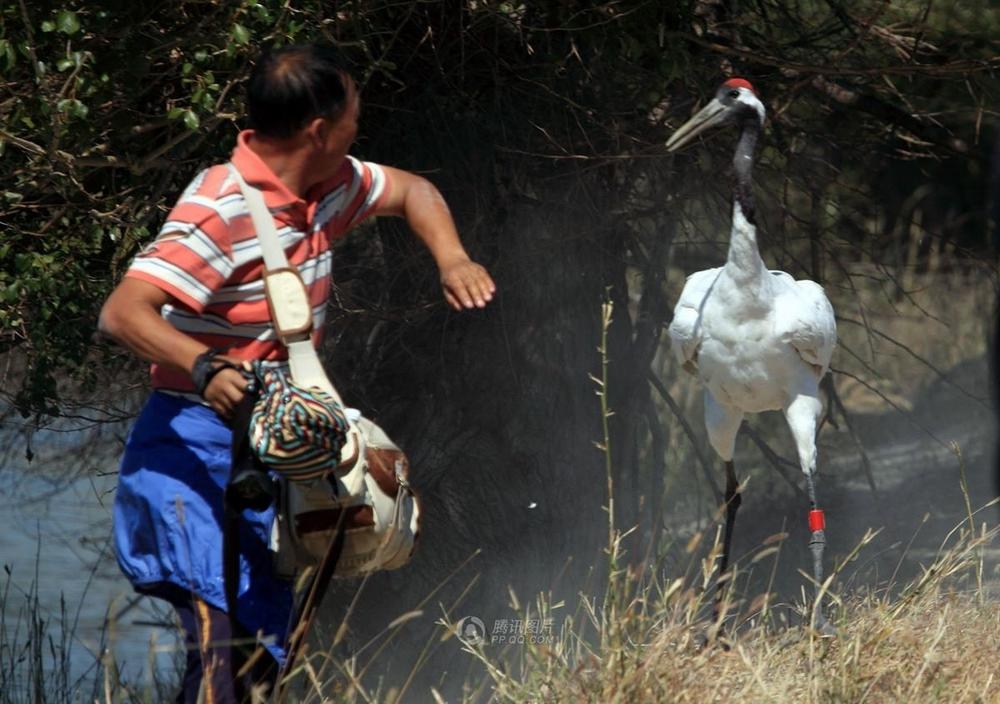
pixel 713 114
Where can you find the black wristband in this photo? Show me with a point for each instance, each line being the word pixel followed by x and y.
pixel 206 366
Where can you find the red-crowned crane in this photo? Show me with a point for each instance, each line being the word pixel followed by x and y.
pixel 758 340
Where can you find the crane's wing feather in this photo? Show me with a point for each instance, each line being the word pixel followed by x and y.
pixel 804 319
pixel 685 329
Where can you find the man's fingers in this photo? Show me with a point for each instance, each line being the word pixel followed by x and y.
pixel 486 288
pixel 452 300
pixel 469 287
pixel 467 296
pixel 481 288
pixel 225 391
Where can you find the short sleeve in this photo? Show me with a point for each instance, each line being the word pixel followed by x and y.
pixel 359 188
pixel 191 258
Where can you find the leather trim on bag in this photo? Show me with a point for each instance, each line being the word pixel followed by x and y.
pixel 326 519
pixel 382 467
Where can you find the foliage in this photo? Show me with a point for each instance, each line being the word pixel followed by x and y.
pixel 108 108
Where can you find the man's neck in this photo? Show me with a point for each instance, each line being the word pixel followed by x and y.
pixel 287 159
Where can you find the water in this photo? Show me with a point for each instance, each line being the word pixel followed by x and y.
pixel 58 559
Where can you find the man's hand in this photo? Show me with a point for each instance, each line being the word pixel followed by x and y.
pixel 467 285
pixel 226 389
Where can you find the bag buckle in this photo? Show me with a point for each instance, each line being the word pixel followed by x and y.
pixel 288 300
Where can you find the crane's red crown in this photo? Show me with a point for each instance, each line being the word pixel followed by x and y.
pixel 740 83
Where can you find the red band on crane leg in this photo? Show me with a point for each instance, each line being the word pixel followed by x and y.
pixel 817 521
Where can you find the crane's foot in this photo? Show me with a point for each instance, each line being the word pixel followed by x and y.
pixel 700 639
pixel 710 635
pixel 822 626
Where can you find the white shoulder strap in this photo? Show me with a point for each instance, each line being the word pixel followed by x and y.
pixel 263 222
pixel 286 294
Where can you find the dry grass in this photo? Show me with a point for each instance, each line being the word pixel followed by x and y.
pixel 937 642
pixel 942 650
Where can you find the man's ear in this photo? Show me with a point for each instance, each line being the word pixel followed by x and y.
pixel 315 131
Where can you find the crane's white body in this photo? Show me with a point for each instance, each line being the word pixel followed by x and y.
pixel 758 340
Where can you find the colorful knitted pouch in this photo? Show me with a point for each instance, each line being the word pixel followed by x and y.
pixel 294 430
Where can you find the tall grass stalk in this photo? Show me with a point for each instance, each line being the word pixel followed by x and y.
pixel 609 620
pixel 607 310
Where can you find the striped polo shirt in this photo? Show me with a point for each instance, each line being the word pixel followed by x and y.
pixel 208 258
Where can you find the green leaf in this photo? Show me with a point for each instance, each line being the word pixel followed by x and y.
pixel 72 107
pixel 240 34
pixel 263 15
pixel 191 120
pixel 67 22
pixel 8 54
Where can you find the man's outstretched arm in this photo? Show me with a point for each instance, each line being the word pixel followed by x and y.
pixel 466 284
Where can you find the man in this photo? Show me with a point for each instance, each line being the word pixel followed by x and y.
pixel 197 287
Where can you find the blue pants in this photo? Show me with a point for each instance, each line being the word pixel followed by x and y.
pixel 168 516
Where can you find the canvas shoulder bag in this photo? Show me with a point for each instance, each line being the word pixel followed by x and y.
pixel 339 473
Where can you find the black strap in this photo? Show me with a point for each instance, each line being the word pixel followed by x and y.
pixel 302 618
pixel 232 504
pixel 206 366
pixel 244 461
pixel 242 458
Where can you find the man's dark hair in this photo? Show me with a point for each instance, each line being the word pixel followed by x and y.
pixel 291 86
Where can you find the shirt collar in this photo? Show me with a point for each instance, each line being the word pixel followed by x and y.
pixel 256 172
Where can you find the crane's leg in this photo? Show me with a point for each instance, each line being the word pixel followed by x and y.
pixel 723 423
pixel 733 501
pixel 802 415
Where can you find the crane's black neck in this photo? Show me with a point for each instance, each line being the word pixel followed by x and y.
pixel 743 263
pixel 743 166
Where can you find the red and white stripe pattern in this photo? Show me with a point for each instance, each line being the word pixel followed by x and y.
pixel 208 259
